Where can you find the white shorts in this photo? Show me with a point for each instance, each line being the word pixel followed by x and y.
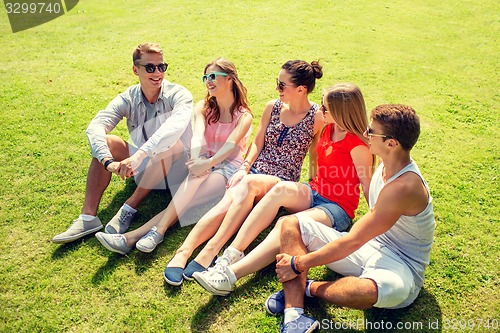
pixel 394 279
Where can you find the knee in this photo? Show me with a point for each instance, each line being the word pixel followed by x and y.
pixel 279 190
pixel 117 146
pixel 289 223
pixel 247 183
pixel 391 295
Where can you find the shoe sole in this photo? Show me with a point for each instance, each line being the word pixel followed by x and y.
pixel 189 278
pixel 110 230
pixel 107 246
pixel 208 287
pixel 76 237
pixel 141 248
pixel 313 327
pixel 173 283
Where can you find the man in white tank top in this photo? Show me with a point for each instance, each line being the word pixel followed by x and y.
pixel 384 255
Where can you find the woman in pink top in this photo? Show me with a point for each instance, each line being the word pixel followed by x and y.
pixel 222 125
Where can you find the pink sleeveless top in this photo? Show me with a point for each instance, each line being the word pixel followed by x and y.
pixel 216 135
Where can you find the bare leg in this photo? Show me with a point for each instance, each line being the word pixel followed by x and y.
pixel 98 178
pixel 186 196
pixel 265 253
pixel 295 197
pixel 351 292
pixel 261 256
pixel 202 231
pixel 292 244
pixel 252 188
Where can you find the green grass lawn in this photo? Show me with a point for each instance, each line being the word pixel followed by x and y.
pixel 441 57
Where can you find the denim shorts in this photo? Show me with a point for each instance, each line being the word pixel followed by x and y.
pixel 224 168
pixel 254 171
pixel 339 218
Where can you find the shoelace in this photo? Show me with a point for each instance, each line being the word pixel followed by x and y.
pixel 152 235
pixel 124 215
pixel 220 278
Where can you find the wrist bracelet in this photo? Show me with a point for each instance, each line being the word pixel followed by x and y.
pixel 297 264
pixel 107 163
pixel 292 264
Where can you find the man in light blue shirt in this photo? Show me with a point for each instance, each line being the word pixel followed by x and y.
pixel 158 116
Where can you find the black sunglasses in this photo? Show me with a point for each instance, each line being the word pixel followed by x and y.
pixel 282 85
pixel 369 132
pixel 150 68
pixel 323 108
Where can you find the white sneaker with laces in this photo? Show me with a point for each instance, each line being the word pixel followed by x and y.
pixel 214 281
pixel 78 229
pixel 120 222
pixel 229 257
pixel 149 241
pixel 114 242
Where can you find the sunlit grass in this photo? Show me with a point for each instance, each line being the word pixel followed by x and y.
pixel 439 57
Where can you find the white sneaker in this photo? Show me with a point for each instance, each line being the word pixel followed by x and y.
pixel 229 257
pixel 114 242
pixel 120 222
pixel 149 241
pixel 78 229
pixel 214 281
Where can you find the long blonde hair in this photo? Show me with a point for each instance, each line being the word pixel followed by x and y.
pixel 347 107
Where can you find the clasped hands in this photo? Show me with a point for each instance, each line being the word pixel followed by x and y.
pixel 198 167
pixel 128 167
pixel 284 270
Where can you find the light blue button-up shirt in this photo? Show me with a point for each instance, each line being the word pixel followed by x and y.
pixel 153 132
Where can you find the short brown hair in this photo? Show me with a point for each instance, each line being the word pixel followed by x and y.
pixel 399 122
pixel 145 48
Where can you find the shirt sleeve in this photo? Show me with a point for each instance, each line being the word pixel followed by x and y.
pixel 103 123
pixel 174 126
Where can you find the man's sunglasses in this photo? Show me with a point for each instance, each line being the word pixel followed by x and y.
pixel 150 68
pixel 369 132
pixel 212 76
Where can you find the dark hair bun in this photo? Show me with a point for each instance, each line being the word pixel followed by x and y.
pixel 317 69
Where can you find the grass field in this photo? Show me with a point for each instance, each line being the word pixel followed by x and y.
pixel 439 57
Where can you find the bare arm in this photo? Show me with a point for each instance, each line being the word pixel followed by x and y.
pixel 363 159
pixel 319 123
pixel 256 146
pixel 395 199
pixel 198 139
pixel 197 165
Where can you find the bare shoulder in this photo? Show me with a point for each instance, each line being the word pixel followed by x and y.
pixel 319 120
pixel 269 105
pixel 266 114
pixel 409 189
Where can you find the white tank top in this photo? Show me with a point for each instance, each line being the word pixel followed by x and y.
pixel 410 237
